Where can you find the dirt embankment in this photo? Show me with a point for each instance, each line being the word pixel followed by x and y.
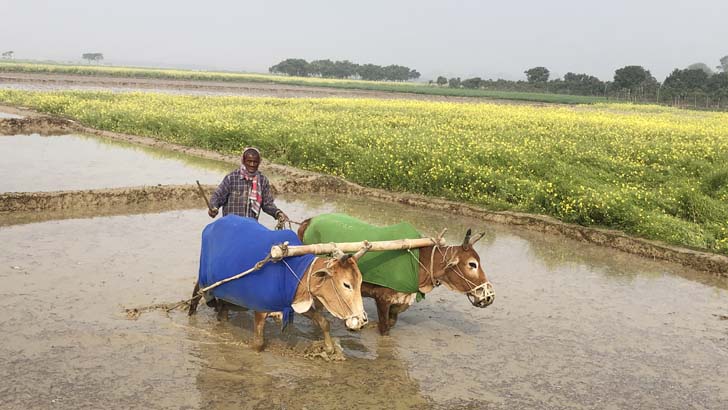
pixel 291 180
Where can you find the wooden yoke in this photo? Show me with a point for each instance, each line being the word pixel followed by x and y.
pixel 283 250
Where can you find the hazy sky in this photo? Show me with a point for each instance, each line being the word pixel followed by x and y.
pixel 453 38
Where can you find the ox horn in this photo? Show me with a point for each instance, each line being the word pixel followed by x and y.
pixel 337 253
pixel 466 241
pixel 362 251
pixel 476 238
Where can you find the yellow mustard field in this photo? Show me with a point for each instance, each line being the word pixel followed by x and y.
pixel 655 172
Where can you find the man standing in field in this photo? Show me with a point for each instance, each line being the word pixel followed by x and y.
pixel 245 191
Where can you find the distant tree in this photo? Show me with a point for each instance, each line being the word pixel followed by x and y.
pixel 581 84
pixel 322 68
pixel 683 83
pixel 474 82
pixel 345 69
pixel 454 82
pixel 701 66
pixel 631 76
pixel 8 55
pixel 723 64
pixel 718 86
pixel 96 57
pixel 292 66
pixel 441 81
pixel 689 79
pixel 413 75
pixel 370 72
pixel 537 75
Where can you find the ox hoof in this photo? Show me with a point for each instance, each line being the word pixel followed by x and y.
pixel 257 345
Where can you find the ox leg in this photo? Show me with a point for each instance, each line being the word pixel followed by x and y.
pixel 383 313
pixel 394 312
pixel 195 300
pixel 321 321
pixel 222 308
pixel 258 326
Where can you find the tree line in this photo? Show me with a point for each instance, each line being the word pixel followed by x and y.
pixel 696 85
pixel 343 69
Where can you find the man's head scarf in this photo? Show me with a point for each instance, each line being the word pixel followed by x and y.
pixel 254 197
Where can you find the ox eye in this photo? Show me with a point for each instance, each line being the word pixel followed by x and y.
pixel 346 285
pixel 473 265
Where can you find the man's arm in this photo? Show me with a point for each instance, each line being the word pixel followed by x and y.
pixel 220 196
pixel 268 206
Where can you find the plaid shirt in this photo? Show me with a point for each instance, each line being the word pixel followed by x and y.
pixel 232 196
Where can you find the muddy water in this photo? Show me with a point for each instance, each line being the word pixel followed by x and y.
pixel 72 162
pixel 573 326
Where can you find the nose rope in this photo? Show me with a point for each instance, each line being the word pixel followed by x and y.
pixel 341 301
pixel 449 264
pixel 456 269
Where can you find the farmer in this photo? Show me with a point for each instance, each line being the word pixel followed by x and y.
pixel 245 191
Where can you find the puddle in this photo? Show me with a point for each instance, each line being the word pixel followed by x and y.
pixel 573 326
pixel 4 115
pixel 73 162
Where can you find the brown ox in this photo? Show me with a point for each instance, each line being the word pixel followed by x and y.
pixel 333 284
pixel 457 267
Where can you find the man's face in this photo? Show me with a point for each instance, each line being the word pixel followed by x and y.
pixel 251 162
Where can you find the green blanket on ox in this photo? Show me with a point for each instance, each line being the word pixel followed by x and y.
pixel 397 270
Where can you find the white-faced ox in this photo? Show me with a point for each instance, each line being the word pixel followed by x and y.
pixel 302 284
pixel 457 267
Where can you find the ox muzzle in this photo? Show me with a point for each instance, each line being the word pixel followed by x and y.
pixel 356 322
pixel 482 295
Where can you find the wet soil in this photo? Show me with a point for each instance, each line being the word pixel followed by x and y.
pixel 574 325
pixel 47 82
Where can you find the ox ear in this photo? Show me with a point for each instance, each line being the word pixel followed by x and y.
pixel 466 241
pixel 302 306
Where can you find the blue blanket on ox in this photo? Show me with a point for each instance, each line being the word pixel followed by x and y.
pixel 234 244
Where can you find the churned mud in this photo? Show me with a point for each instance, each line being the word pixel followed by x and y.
pixel 574 325
pixel 292 180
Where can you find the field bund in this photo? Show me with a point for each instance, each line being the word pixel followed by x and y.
pixel 653 172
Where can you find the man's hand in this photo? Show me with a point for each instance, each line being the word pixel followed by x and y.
pixel 212 212
pixel 281 216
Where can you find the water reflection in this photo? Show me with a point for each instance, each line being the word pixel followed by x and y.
pixel 8 115
pixel 73 162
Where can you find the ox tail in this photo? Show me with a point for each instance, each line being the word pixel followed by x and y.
pixel 302 229
pixel 195 300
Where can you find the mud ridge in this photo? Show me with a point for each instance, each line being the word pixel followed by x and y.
pixel 292 180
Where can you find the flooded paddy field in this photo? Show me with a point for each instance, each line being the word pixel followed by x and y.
pixel 573 325
pixel 73 162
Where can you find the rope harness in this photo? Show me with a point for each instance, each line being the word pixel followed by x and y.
pixel 281 224
pixel 453 264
